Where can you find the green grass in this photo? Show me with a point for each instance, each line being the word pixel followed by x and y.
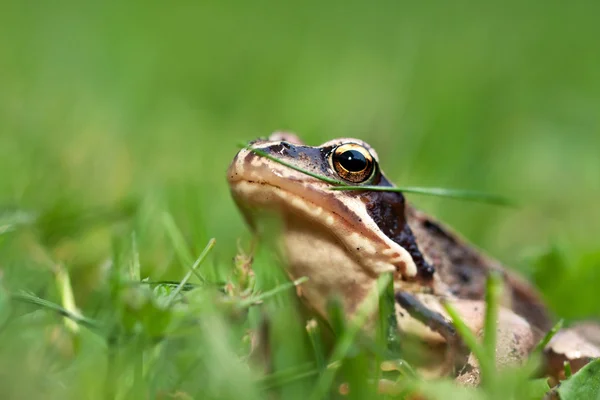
pixel 118 121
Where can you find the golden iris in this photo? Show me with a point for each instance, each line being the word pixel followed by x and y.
pixel 353 162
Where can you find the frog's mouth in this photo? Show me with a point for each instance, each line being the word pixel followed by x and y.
pixel 253 196
pixel 260 184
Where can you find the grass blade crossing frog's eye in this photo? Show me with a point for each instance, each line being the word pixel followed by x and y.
pixel 353 162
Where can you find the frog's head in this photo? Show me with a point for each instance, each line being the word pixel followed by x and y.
pixel 341 239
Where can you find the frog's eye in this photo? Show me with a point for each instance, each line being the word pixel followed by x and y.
pixel 353 162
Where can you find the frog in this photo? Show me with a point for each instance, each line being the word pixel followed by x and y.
pixel 344 240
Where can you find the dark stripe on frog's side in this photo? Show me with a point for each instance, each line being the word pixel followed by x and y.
pixel 388 211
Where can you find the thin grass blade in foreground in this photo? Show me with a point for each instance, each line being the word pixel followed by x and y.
pixel 134 265
pixel 263 296
pixel 344 342
pixel 292 166
pixel 11 220
pixel 485 352
pixel 492 301
pixel 43 303
pixel 546 339
pixel 283 377
pixel 181 249
pixel 461 194
pixel 197 263
pixel 68 299
pixel 469 195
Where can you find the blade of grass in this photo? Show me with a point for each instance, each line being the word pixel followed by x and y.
pixel 492 305
pixel 188 286
pixel 292 166
pixel 181 249
pixel 11 220
pixel 401 366
pixel 134 266
pixel 43 303
pixel 467 336
pixel 261 297
pixel 492 301
pixel 387 339
pixel 199 260
pixel 567 368
pixel 485 352
pixel 284 377
pixel 535 357
pixel 314 335
pixel 365 310
pixel 461 194
pixel 68 300
pixel 548 336
pixel 387 334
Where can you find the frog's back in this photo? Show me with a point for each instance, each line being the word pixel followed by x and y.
pixel 464 269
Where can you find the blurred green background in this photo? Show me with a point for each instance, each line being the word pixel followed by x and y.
pixel 104 105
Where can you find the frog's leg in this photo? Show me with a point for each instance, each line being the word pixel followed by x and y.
pixel 434 320
pixel 515 337
pixel 433 328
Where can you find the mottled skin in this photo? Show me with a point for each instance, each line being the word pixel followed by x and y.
pixel 343 240
pixel 464 269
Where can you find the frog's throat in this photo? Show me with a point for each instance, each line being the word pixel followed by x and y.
pixel 358 233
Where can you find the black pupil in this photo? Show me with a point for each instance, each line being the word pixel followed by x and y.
pixel 353 160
